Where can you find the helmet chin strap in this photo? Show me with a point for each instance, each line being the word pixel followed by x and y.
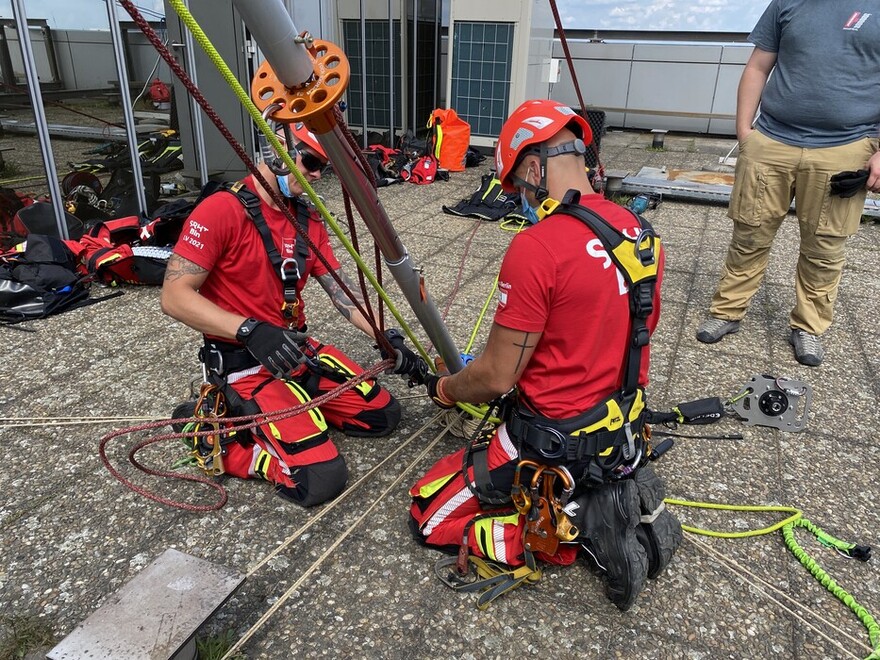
pixel 540 191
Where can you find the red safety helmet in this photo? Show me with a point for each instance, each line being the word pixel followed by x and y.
pixel 302 135
pixel 532 123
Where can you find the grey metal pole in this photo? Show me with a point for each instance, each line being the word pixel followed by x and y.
pixel 33 85
pixel 414 73
pixel 368 205
pixel 438 19
pixel 407 275
pixel 127 112
pixel 274 31
pixel 195 110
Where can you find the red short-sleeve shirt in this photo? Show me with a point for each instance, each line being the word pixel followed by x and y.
pixel 220 237
pixel 557 280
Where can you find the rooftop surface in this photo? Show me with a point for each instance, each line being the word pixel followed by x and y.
pixel 346 579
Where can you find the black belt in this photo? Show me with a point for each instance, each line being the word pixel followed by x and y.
pixel 222 358
pixel 553 444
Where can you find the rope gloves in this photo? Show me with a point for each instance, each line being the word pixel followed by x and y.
pixel 847 184
pixel 434 386
pixel 412 365
pixel 276 348
pixel 408 363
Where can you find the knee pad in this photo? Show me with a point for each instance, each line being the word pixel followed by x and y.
pixel 316 483
pixel 374 423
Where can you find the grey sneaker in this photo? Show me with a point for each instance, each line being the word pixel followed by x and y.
pixel 807 347
pixel 712 329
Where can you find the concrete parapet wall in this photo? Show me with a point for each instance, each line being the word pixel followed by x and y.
pixel 678 87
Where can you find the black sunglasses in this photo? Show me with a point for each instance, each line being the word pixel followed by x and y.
pixel 311 162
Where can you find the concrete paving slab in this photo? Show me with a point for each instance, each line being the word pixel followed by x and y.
pixel 72 535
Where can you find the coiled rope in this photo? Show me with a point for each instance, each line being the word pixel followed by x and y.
pixel 229 424
pixel 787 526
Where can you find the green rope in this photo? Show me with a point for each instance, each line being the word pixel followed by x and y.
pixel 849 549
pixel 794 515
pixel 264 127
pixel 787 526
pixel 481 317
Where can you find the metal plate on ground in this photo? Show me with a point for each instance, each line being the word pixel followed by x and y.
pixel 155 614
pixel 698 186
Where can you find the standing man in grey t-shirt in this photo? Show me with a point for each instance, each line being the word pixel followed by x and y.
pixel 820 114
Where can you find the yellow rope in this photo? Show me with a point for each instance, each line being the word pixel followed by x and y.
pixel 796 514
pixel 200 36
pixel 481 317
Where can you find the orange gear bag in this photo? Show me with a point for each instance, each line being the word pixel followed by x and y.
pixel 451 136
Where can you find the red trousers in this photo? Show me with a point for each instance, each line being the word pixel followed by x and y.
pixel 279 451
pixel 447 513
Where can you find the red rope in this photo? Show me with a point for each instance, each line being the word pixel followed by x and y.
pixel 600 168
pixel 378 255
pixel 457 284
pixel 352 229
pixel 175 67
pixel 230 424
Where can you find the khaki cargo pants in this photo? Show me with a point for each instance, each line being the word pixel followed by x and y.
pixel 768 175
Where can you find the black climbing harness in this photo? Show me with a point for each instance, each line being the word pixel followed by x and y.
pixel 289 270
pixel 589 440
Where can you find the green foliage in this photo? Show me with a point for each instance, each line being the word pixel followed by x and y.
pixel 22 634
pixel 621 200
pixel 214 647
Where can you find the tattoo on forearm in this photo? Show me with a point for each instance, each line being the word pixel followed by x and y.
pixel 179 267
pixel 525 344
pixel 337 296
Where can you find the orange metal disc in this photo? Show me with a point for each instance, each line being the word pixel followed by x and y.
pixel 312 103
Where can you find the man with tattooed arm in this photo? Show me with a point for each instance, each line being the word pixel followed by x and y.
pixel 236 276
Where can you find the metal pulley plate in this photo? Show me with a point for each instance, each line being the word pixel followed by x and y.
pixel 780 403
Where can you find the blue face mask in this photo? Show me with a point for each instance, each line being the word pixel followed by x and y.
pixel 527 209
pixel 282 186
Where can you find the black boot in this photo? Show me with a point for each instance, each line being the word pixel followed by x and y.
pixel 185 409
pixel 607 517
pixel 659 531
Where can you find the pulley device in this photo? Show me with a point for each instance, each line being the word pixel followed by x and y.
pixel 780 403
pixel 774 401
pixel 207 450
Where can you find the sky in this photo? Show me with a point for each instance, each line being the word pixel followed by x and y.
pixel 698 16
pixel 702 15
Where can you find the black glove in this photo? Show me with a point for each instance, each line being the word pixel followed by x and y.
pixel 847 184
pixel 408 363
pixel 432 384
pixel 276 348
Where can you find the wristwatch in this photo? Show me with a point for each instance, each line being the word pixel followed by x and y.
pixel 245 329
